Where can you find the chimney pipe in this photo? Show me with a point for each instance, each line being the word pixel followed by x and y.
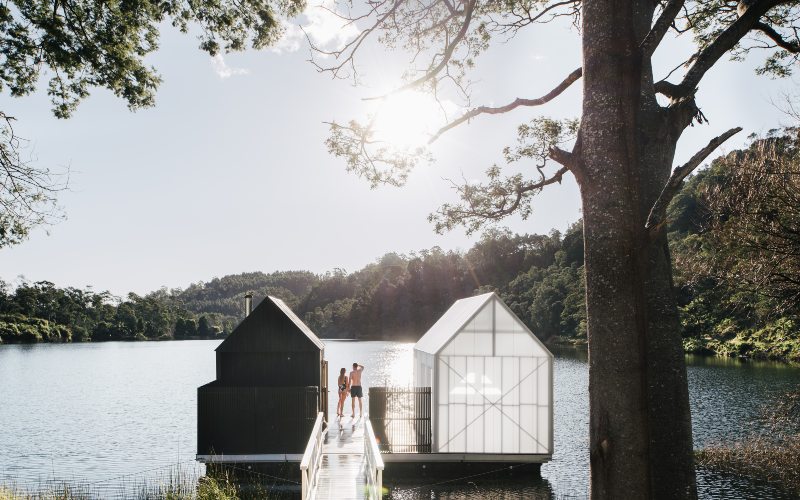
pixel 248 304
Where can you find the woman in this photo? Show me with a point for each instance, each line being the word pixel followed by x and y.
pixel 344 388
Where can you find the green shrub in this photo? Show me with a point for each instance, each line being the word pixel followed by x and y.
pixel 209 488
pixel 16 328
pixel 778 340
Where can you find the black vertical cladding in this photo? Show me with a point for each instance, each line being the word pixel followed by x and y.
pixel 268 389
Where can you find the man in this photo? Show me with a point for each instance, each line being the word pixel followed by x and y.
pixel 355 389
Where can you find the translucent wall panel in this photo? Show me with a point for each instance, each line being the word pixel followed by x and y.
pixel 543 429
pixel 475 338
pixel 493 387
pixel 505 322
pixel 423 369
pixel 527 380
pixel 442 428
pixel 457 378
pixel 511 337
pixel 527 439
pixel 510 381
pixel 482 322
pixel 543 383
pixel 511 429
pixel 492 431
pixel 492 404
pixel 475 433
pixel 457 438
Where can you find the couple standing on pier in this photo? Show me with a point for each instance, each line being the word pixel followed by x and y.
pixel 350 384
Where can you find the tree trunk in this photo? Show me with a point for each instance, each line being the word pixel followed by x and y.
pixel 640 438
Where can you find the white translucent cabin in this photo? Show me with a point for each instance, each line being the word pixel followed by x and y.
pixel 491 381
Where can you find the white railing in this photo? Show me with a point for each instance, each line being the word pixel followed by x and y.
pixel 309 466
pixel 374 463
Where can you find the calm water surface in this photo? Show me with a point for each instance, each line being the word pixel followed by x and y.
pixel 113 412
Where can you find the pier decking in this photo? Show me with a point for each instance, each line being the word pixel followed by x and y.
pixel 342 461
pixel 341 474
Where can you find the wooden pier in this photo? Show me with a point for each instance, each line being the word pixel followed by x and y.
pixel 342 462
pixel 341 474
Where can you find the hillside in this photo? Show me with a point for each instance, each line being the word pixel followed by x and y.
pixel 735 239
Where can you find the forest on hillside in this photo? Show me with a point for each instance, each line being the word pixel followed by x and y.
pixel 735 239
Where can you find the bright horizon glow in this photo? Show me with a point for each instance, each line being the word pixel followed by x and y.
pixel 184 192
pixel 407 119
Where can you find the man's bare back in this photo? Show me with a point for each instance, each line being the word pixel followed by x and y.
pixel 355 375
pixel 355 388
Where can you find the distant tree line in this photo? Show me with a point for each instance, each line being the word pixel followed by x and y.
pixel 42 312
pixel 734 231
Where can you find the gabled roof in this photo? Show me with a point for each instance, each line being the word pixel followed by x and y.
pixel 271 326
pixel 459 314
pixel 298 322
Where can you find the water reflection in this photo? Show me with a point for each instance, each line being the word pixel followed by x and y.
pixel 385 364
pixel 522 483
pixel 94 412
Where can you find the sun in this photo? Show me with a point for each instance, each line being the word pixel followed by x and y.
pixel 407 119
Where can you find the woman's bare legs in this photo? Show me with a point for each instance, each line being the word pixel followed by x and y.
pixel 340 406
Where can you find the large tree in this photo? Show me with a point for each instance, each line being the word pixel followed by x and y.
pixel 79 45
pixel 621 154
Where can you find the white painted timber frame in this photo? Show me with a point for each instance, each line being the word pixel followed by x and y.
pixel 309 465
pixel 374 463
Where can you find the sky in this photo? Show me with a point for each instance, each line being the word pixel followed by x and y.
pixel 229 172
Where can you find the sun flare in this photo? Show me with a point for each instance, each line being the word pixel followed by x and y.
pixel 407 119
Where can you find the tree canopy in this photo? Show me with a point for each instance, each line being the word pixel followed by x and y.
pixel 78 45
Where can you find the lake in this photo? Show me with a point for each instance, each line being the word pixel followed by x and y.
pixel 117 414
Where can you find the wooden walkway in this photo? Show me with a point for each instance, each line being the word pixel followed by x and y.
pixel 341 474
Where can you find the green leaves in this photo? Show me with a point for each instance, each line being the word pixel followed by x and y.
pixel 374 159
pixel 81 44
pixel 708 19
pixel 78 45
pixel 484 203
pixel 537 138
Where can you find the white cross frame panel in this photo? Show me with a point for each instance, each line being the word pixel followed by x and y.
pixel 491 380
pixel 494 404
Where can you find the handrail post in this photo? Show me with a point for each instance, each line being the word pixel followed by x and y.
pixel 374 462
pixel 309 465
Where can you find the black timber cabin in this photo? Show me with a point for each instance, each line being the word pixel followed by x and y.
pixel 271 383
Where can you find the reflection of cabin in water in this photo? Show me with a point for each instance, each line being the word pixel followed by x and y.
pixel 484 392
pixel 271 383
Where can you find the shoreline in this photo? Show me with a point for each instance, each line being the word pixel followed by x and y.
pixel 580 345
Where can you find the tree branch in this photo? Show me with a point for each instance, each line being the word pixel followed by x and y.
pixel 657 216
pixel 563 157
pixel 525 17
pixel 660 28
pixel 556 177
pixel 486 203
pixel 776 37
pixel 447 54
pixel 349 49
pixel 671 90
pixel 726 40
pixel 561 87
pixel 502 210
